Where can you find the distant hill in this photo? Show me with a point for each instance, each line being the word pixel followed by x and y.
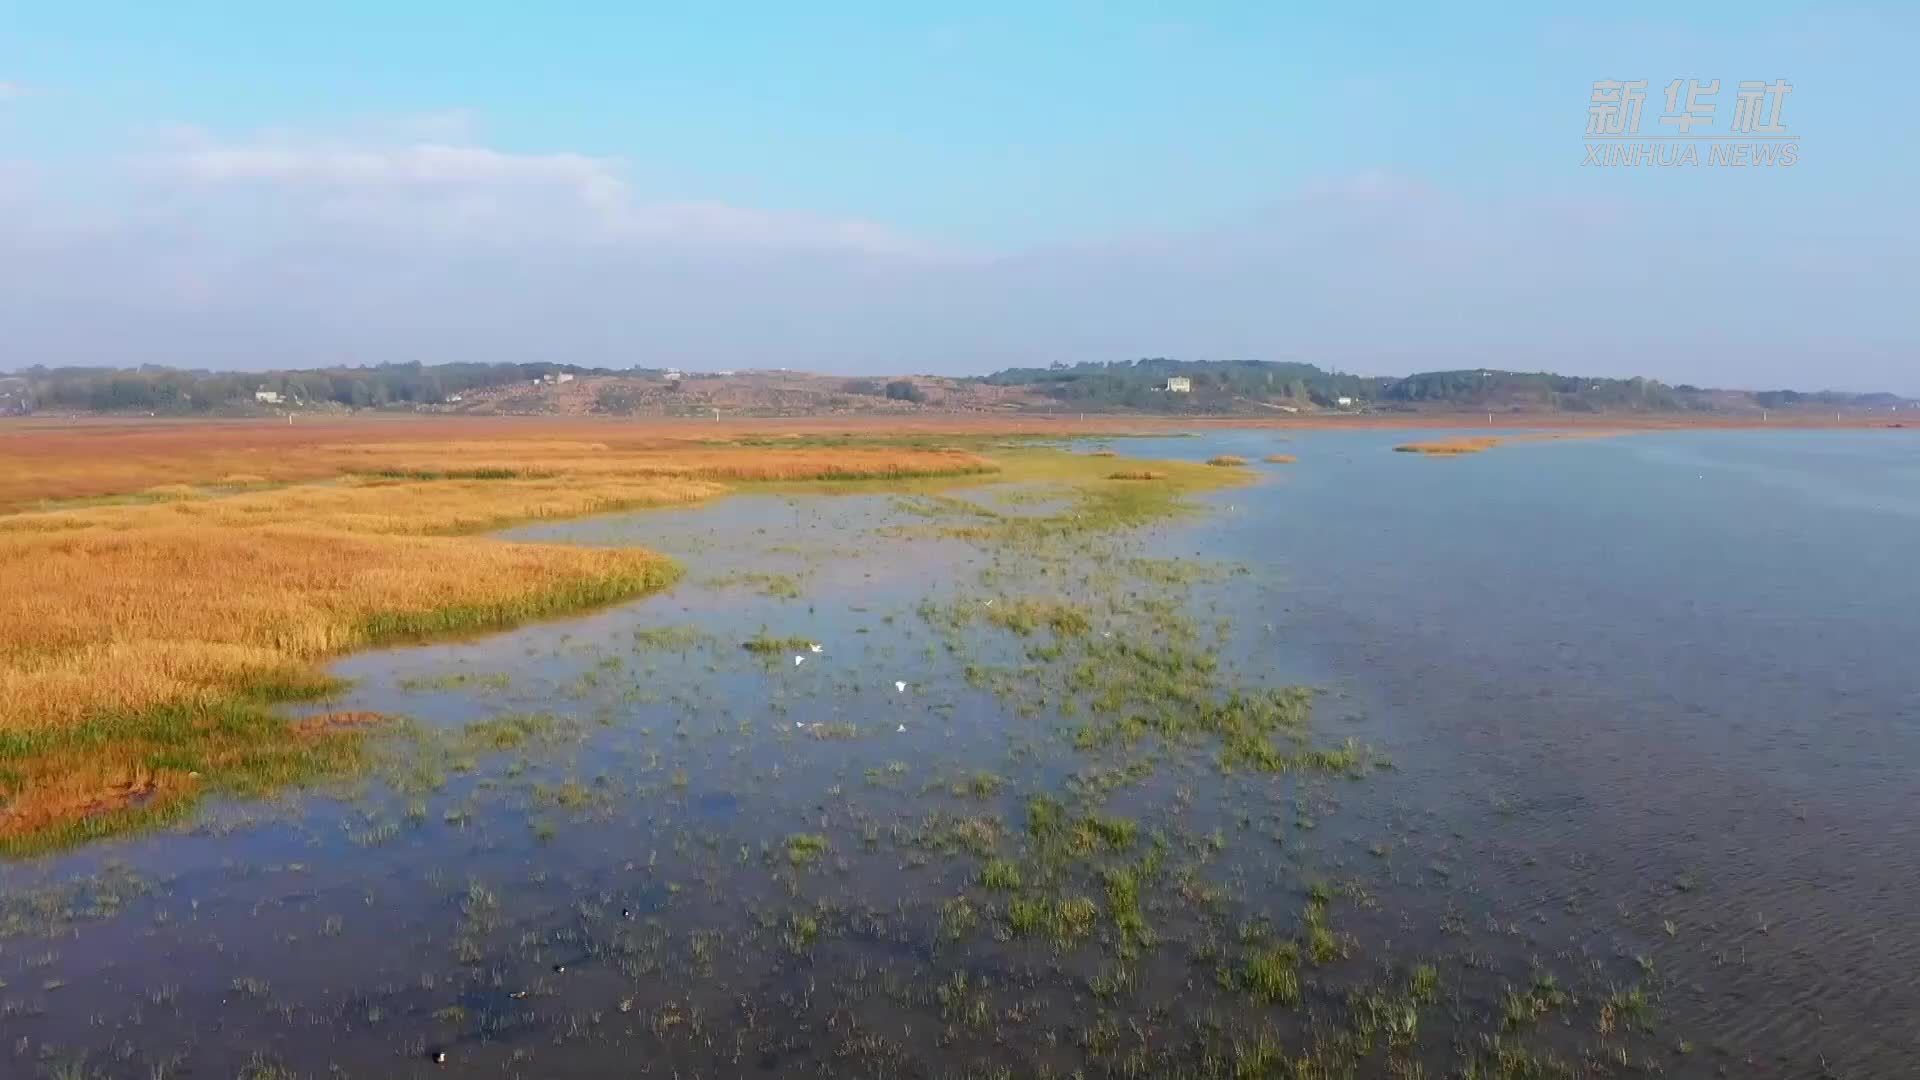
pixel 1156 385
pixel 1214 387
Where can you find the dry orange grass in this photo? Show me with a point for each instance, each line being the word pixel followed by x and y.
pixel 1450 447
pixel 139 641
pixel 123 619
pixel 375 507
pixel 1473 444
pixel 42 461
pixel 31 477
pixel 1280 459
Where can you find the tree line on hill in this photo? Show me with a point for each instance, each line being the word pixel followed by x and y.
pixel 1236 385
pixel 171 390
pixel 1137 385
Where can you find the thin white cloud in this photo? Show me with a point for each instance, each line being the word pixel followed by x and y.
pixel 10 91
pixel 418 164
pixel 447 185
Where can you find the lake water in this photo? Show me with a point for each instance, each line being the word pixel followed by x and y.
pixel 1667 673
pixel 1640 726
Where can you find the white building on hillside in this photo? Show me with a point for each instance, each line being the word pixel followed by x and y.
pixel 1179 384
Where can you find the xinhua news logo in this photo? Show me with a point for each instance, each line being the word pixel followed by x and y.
pixel 1755 134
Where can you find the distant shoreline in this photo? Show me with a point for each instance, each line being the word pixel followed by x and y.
pixel 936 422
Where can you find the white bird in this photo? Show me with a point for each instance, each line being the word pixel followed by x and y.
pixel 798 724
pixel 902 728
pixel 900 686
pixel 798 660
pixel 989 603
pixel 816 647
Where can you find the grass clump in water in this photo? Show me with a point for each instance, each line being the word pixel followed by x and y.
pixel 1272 974
pixel 459 680
pixel 957 919
pixel 1423 985
pixel 1450 447
pixel 777 586
pixel 1025 617
pixel 1053 829
pixel 509 732
pixel 805 849
pixel 1001 875
pixel 1123 907
pixel 668 638
pixel 1062 921
pixel 1225 460
pixel 765 644
pixel 1519 1008
pixel 981 785
pixel 801 931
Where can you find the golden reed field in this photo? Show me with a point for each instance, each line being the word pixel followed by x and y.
pixel 161 586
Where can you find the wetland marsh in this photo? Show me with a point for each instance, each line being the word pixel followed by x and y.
pixel 1583 758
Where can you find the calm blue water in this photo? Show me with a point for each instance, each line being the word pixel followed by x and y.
pixel 1667 673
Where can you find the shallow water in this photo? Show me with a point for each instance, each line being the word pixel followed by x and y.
pixel 1670 674
pixel 1641 710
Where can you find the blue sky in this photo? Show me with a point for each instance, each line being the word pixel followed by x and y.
pixel 868 187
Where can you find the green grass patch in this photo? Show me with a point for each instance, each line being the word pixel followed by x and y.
pixel 1001 875
pixel 1063 921
pixel 1272 974
pixel 767 645
pixel 777 586
pixel 805 849
pixel 668 638
pixel 512 731
pixel 1027 617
